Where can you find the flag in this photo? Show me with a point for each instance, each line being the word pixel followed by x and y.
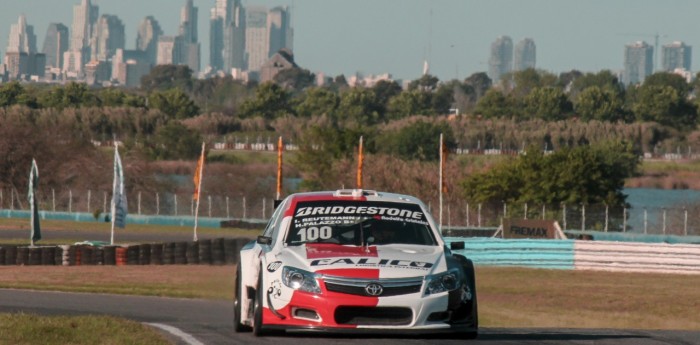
pixel 198 176
pixel 280 148
pixel 33 204
pixel 360 162
pixel 119 206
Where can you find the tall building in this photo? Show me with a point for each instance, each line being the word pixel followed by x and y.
pixel 279 30
pixel 55 44
pixel 147 38
pixel 169 50
pixel 257 39
pixel 676 55
pixel 108 36
pixel 22 38
pixel 639 62
pixel 227 36
pixel 21 58
pixel 188 31
pixel 84 17
pixel 525 55
pixel 501 60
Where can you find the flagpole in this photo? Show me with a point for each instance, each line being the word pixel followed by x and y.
pixel 199 174
pixel 35 233
pixel 440 186
pixel 360 163
pixel 280 148
pixel 114 191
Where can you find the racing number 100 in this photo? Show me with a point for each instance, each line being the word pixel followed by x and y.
pixel 313 233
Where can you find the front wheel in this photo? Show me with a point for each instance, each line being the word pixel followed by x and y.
pixel 237 325
pixel 258 308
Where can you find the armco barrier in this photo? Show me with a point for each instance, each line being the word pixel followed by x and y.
pixel 583 255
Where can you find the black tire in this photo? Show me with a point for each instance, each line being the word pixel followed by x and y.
pixel 237 300
pixel 471 275
pixel 258 308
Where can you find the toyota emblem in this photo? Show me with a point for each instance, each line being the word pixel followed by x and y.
pixel 374 289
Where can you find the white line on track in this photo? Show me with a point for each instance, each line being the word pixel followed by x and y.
pixel 187 338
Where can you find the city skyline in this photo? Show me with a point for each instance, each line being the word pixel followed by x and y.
pixel 392 36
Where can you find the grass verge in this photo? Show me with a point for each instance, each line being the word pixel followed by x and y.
pixel 22 329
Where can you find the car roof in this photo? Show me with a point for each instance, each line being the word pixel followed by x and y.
pixel 354 194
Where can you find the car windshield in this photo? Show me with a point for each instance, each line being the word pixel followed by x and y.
pixel 359 223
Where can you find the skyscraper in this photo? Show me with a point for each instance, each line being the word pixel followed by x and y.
pixel 639 62
pixel 21 57
pixel 220 17
pixel 279 30
pixel 676 55
pixel 525 55
pixel 188 31
pixel 84 17
pixel 108 36
pixel 147 38
pixel 234 39
pixel 257 39
pixel 22 38
pixel 501 60
pixel 55 44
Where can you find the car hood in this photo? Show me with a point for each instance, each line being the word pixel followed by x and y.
pixel 385 261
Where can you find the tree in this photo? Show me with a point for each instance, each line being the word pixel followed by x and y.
pixel 425 83
pixel 443 98
pixel 603 79
pixel 295 78
pixel 174 141
pixel 165 77
pixel 10 93
pixel 270 102
pixel 409 103
pixel 664 105
pixel 359 105
pixel 174 103
pixel 580 175
pixel 523 82
pixel 384 90
pixel 595 103
pixel 495 104
pixel 673 80
pixel 317 101
pixel 417 141
pixel 547 103
pixel 480 83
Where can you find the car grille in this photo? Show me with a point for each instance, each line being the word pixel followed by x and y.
pixel 390 287
pixel 373 316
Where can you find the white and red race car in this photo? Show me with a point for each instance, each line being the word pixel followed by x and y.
pixel 354 261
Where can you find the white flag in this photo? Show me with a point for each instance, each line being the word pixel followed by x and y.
pixel 119 209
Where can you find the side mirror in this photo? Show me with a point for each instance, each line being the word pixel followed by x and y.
pixel 457 245
pixel 264 240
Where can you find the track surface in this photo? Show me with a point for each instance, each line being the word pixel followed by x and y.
pixel 209 322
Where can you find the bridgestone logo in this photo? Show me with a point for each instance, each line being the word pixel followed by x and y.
pixel 365 210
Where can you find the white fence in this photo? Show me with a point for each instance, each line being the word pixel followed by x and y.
pixel 637 257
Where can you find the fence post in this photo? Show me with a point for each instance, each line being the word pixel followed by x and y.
pixel 227 212
pixel 449 217
pixel 70 201
pixel 525 210
pixel 157 204
pixel 1 201
pixel 244 210
pixel 209 201
pixel 505 210
pixel 263 209
pixel 175 202
pixel 53 199
pixel 88 200
pixel 583 217
pixel 685 222
pixel 467 214
pixel 139 203
pixel 104 202
pixel 192 207
pixel 606 217
pixel 664 224
pixel 624 219
pixel 563 214
pixel 478 216
pixel 645 220
pixel 544 211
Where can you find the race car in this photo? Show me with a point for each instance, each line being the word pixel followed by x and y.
pixel 354 261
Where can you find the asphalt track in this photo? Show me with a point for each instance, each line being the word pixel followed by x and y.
pixel 209 322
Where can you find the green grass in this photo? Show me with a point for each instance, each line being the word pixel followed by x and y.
pixel 22 329
pixel 667 167
pixel 248 157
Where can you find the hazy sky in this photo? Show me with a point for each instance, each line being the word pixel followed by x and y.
pixel 396 36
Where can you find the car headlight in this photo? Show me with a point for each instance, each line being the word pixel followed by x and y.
pixel 447 281
pixel 300 280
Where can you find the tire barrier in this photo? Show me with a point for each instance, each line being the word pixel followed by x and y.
pixel 144 254
pixel 192 253
pixel 109 255
pixel 156 254
pixel 218 251
pixel 120 256
pixel 48 256
pixel 205 252
pixel 180 253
